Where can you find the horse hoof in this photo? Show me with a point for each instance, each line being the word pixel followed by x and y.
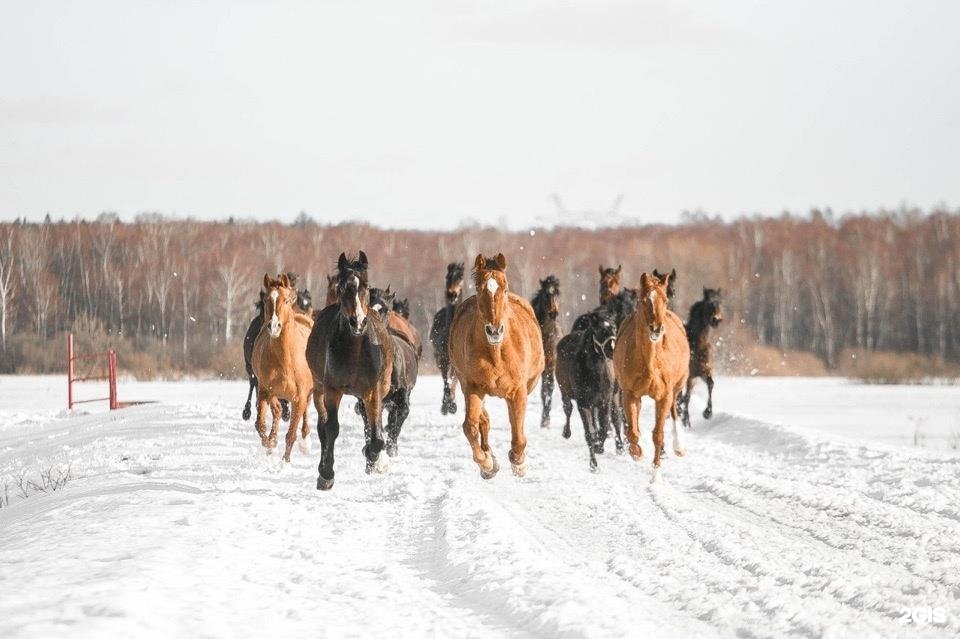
pixel 453 408
pixel 566 432
pixel 594 468
pixel 519 470
pixel 304 446
pixel 679 452
pixel 382 465
pixel 707 413
pixel 391 449
pixel 490 474
pixel 545 423
pixel 246 412
pixel 636 452
pixel 620 449
pixel 324 484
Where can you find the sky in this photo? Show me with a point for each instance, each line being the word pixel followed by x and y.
pixel 431 114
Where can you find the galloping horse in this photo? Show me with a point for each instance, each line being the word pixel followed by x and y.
pixel 280 365
pixel 495 349
pixel 349 352
pixel 609 282
pixel 440 336
pixel 585 374
pixel 304 305
pixel 652 358
pixel 546 306
pixel 406 363
pixel 704 315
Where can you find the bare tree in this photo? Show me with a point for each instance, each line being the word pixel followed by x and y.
pixel 6 278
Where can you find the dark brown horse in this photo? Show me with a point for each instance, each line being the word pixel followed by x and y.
pixel 495 349
pixel 304 305
pixel 440 336
pixel 609 282
pixel 402 307
pixel 705 315
pixel 671 283
pixel 546 306
pixel 349 352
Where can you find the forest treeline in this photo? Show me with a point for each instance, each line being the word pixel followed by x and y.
pixel 176 295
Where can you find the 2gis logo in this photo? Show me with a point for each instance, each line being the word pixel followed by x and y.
pixel 923 615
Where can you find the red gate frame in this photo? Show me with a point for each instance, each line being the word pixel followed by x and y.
pixel 111 376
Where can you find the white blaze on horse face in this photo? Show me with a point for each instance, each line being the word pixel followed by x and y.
pixel 274 321
pixel 360 314
pixel 492 285
pixel 653 295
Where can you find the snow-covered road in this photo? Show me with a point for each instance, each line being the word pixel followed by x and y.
pixel 176 523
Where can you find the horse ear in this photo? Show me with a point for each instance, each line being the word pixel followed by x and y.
pixel 501 261
pixel 619 266
pixel 673 274
pixel 266 280
pixel 342 262
pixel 387 290
pixel 363 259
pixel 600 268
pixel 479 263
pixel 284 280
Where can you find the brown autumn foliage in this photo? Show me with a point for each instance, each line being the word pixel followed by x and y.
pixel 174 295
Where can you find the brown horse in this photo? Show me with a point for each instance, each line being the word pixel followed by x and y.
pixel 280 365
pixel 671 284
pixel 349 352
pixel 440 336
pixel 400 325
pixel 652 358
pixel 332 297
pixel 609 282
pixel 705 315
pixel 495 349
pixel 546 306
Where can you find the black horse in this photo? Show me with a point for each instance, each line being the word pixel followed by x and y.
pixel 585 374
pixel 546 306
pixel 304 305
pixel 619 307
pixel 705 314
pixel 404 376
pixel 402 307
pixel 349 352
pixel 440 336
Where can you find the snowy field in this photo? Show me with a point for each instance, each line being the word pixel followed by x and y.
pixel 802 508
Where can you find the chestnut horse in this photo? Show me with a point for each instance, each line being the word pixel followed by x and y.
pixel 280 365
pixel 495 349
pixel 705 315
pixel 609 282
pixel 546 306
pixel 349 352
pixel 440 336
pixel 652 358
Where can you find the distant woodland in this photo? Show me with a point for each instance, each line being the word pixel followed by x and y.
pixel 174 296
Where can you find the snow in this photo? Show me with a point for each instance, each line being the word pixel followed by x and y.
pixel 801 508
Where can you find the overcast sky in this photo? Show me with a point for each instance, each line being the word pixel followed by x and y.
pixel 425 114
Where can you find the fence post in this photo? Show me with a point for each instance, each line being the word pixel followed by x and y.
pixel 112 358
pixel 69 371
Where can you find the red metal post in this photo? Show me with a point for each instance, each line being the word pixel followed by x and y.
pixel 69 371
pixel 112 363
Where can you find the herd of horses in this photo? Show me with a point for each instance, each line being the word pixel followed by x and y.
pixel 493 343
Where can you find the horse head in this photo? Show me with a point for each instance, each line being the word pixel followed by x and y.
pixel 332 297
pixel 304 301
pixel 352 291
pixel 609 282
pixel 402 307
pixel 278 300
pixel 490 279
pixel 380 302
pixel 454 282
pixel 671 283
pixel 712 307
pixel 548 297
pixel 653 304
pixel 603 333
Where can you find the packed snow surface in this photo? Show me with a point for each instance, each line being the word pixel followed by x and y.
pixel 803 507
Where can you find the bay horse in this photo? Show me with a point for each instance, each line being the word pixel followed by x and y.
pixel 403 378
pixel 705 314
pixel 280 365
pixel 652 358
pixel 609 282
pixel 304 304
pixel 349 353
pixel 546 307
pixel 440 336
pixel 399 324
pixel 402 307
pixel 585 375
pixel 671 284
pixel 495 349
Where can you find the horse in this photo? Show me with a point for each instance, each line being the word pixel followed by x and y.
pixel 402 307
pixel 585 374
pixel 304 304
pixel 401 325
pixel 280 365
pixel 619 307
pixel 609 282
pixel 652 358
pixel 331 291
pixel 671 284
pixel 440 336
pixel 495 349
pixel 349 352
pixel 546 306
pixel 405 369
pixel 704 315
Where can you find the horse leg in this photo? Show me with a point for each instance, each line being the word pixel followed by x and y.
pixel 453 394
pixel 602 411
pixel 445 374
pixel 298 413
pixel 686 401
pixel 631 408
pixel 708 411
pixel 372 404
pixel 546 397
pixel 663 406
pixel 246 407
pixel 678 448
pixel 305 426
pixel 261 422
pixel 615 416
pixel 567 410
pixel 275 427
pixel 589 433
pixel 328 429
pixel 474 413
pixel 396 414
pixel 516 407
